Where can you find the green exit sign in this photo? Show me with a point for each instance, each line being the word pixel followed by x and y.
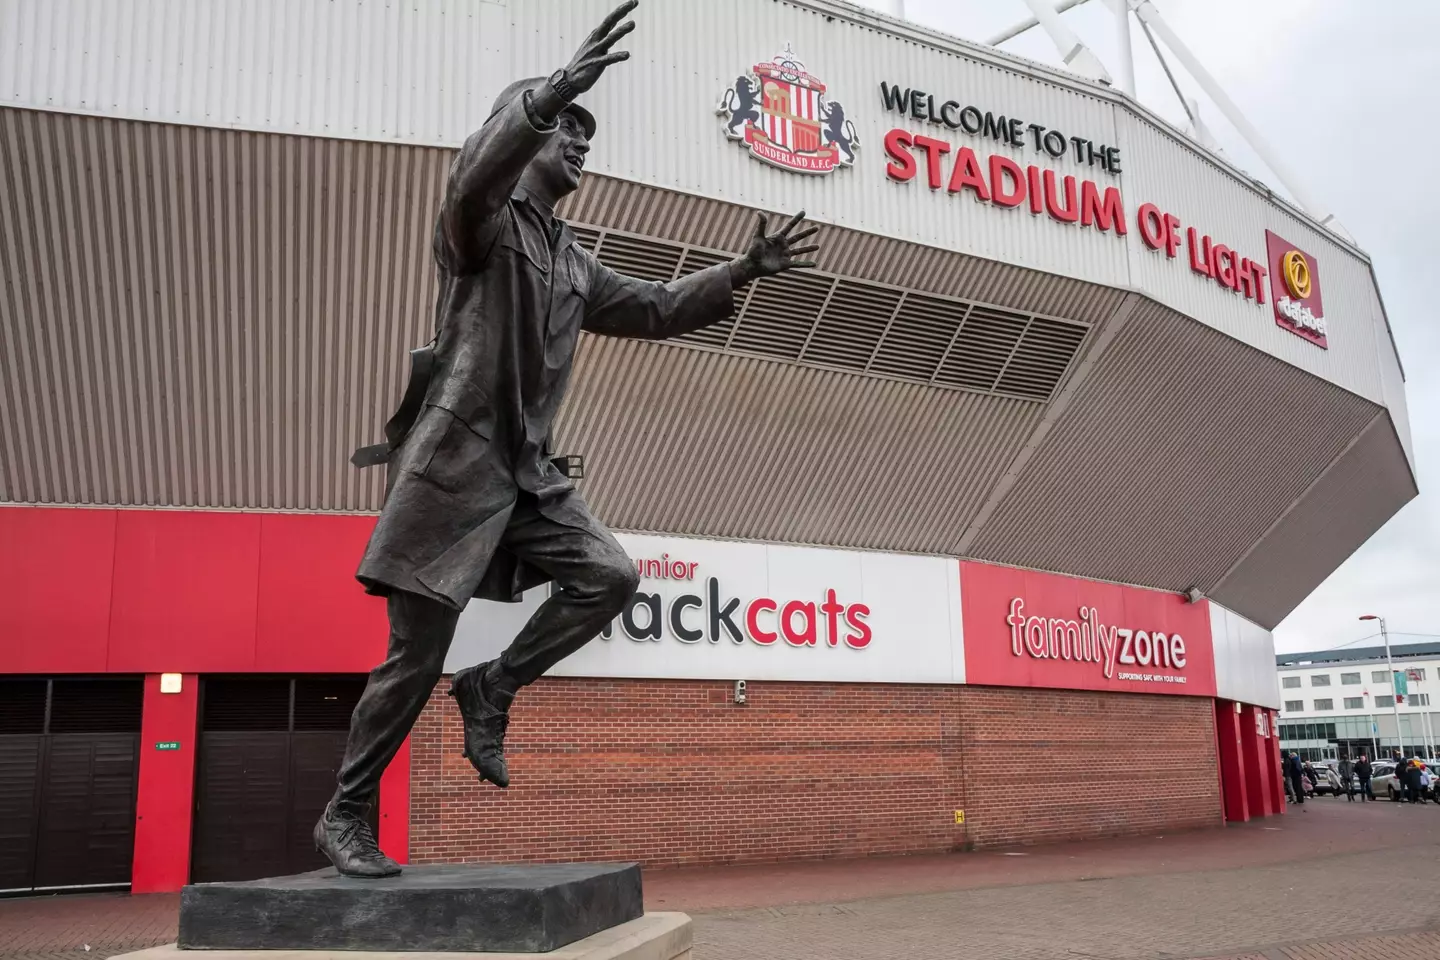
pixel 168 745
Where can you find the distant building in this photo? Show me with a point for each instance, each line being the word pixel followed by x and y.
pixel 1336 703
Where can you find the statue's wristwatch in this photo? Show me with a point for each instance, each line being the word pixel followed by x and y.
pixel 560 82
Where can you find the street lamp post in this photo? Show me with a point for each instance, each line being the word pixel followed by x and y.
pixel 1390 665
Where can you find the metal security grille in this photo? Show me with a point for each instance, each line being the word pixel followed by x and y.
pixel 69 755
pixel 822 320
pixel 269 751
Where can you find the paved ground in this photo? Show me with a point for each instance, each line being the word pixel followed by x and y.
pixel 1339 882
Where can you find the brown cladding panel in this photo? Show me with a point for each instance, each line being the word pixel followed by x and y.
pixel 1354 498
pixel 204 317
pixel 775 451
pixel 1178 452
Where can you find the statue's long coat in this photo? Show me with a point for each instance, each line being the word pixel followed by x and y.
pixel 515 292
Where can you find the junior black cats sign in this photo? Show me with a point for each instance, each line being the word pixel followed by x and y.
pixel 723 610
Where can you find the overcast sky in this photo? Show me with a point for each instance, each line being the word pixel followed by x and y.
pixel 1348 93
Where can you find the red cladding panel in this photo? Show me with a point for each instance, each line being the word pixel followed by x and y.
pixel 55 569
pixel 1026 629
pixel 395 806
pixel 167 777
pixel 185 592
pixel 313 616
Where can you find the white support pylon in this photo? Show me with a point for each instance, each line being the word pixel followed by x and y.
pixel 1145 10
pixel 1076 55
pixel 1024 25
pixel 1121 10
pixel 1199 130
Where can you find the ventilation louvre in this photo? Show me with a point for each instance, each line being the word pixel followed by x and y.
pixel 638 257
pixel 982 348
pixel 1041 359
pixel 246 704
pixel 717 334
pixel 325 703
pixel 22 706
pixel 922 332
pixel 840 323
pixel 779 315
pixel 854 320
pixel 96 706
pixel 587 237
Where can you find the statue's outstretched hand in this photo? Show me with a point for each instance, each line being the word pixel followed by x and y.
pixel 772 253
pixel 594 54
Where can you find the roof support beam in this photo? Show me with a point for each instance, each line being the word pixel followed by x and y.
pixel 1073 51
pixel 1025 25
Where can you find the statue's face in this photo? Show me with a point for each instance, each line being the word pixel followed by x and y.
pixel 559 163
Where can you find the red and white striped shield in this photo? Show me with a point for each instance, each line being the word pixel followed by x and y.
pixel 787 117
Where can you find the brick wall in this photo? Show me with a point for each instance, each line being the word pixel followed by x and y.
pixel 669 771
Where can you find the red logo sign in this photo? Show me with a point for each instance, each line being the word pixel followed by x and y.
pixel 781 112
pixel 1025 629
pixel 1295 289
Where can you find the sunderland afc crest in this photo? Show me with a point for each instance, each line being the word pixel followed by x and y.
pixel 782 114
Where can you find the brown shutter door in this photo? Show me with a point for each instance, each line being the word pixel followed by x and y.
pixel 69 757
pixel 22 727
pixel 269 751
pixel 243 783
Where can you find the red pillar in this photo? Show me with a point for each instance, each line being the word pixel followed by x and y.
pixel 1252 744
pixel 1232 774
pixel 395 806
pixel 164 798
pixel 1277 785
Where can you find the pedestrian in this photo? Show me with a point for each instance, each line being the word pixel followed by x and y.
pixel 1402 778
pixel 1413 783
pixel 1427 779
pixel 1347 774
pixel 1296 775
pixel 1362 774
pixel 1312 779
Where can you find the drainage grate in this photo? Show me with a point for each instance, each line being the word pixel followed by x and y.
pixel 836 322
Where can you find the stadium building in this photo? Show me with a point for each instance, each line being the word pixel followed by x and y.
pixel 991 513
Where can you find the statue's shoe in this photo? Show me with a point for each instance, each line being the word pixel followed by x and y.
pixel 349 843
pixel 485 725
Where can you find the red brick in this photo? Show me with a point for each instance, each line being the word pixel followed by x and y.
pixel 671 772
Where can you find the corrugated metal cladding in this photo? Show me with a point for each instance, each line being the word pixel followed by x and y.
pixel 1354 499
pixel 204 318
pixel 1355 357
pixel 687 441
pixel 416 72
pixel 425 72
pixel 224 316
pixel 1244 659
pixel 1178 452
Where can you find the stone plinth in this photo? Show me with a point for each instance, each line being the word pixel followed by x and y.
pixel 461 908
pixel 655 936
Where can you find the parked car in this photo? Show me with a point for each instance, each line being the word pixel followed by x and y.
pixel 1389 787
pixel 1383 782
pixel 1327 781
